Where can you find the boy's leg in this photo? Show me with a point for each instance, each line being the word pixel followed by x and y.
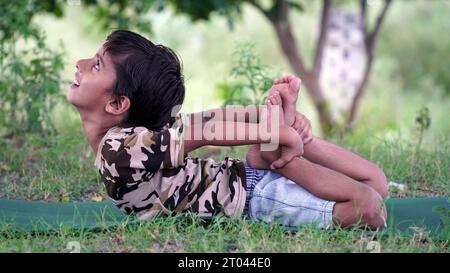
pixel 341 160
pixel 355 202
pixel 329 156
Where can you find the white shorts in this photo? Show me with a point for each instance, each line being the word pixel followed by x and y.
pixel 272 197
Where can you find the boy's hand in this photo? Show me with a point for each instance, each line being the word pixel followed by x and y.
pixel 303 127
pixel 291 146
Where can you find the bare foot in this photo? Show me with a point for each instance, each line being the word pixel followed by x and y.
pixel 287 152
pixel 288 87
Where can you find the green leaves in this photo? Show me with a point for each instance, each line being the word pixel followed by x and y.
pixel 29 75
pixel 251 78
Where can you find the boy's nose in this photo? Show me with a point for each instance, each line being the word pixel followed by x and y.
pixel 77 65
pixel 80 64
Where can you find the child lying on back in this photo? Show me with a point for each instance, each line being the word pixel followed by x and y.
pixel 128 96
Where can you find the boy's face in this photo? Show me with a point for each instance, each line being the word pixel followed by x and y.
pixel 93 84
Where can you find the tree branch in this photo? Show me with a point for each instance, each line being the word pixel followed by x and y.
pixel 320 45
pixel 363 17
pixel 370 37
pixel 286 37
pixel 373 36
pixel 370 40
pixel 255 4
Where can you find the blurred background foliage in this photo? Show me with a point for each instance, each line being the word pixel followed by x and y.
pixel 30 82
pixel 41 40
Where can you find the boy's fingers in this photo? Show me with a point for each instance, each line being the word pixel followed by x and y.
pixel 296 124
pixel 283 160
pixel 310 135
pixel 301 127
pixel 305 130
pixel 279 163
pixel 307 136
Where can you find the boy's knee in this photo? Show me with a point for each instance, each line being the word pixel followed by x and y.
pixel 371 207
pixel 380 183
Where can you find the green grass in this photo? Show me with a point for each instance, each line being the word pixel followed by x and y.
pixel 60 168
pixel 223 235
pixel 56 168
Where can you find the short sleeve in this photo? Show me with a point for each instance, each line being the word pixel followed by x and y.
pixel 152 150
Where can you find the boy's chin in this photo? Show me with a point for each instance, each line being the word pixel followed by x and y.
pixel 69 97
pixel 72 101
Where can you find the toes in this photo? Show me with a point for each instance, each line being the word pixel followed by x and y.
pixel 273 100
pixel 269 103
pixel 278 98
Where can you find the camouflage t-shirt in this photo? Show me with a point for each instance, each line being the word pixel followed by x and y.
pixel 148 173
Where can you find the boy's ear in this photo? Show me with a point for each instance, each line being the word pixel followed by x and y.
pixel 118 106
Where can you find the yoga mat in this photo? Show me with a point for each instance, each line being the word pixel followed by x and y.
pixel 39 216
pixel 405 216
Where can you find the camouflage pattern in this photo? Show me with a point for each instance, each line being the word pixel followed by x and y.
pixel 148 173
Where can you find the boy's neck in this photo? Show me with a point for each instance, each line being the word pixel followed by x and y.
pixel 95 128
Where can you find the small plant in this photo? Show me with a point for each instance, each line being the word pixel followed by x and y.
pixel 423 122
pixel 252 79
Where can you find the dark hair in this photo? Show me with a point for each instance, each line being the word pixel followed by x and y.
pixel 149 75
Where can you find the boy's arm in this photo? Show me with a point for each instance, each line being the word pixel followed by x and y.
pixel 239 133
pixel 237 113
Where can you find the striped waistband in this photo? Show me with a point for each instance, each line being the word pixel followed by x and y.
pixel 252 177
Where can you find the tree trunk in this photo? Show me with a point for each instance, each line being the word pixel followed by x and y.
pixel 310 79
pixel 278 16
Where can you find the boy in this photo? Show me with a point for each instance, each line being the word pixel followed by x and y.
pixel 127 96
